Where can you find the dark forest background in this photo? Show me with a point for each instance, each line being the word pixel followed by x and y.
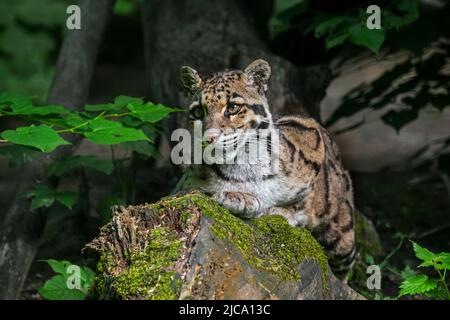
pixel 383 94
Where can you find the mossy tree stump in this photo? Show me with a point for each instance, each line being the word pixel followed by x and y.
pixel 190 247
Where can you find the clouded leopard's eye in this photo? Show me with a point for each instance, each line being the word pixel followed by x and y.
pixel 196 112
pixel 233 108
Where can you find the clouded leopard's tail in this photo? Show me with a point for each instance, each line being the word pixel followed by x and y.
pixel 341 267
pixel 338 240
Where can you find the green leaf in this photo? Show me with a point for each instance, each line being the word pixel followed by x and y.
pixel 443 261
pixel 418 284
pixel 372 39
pixel 284 5
pixel 284 11
pixel 63 166
pixel 341 26
pixel 23 105
pixel 149 112
pixel 102 124
pixel 410 13
pixel 58 266
pixel 123 101
pixel 423 253
pixel 75 120
pixel 56 289
pixel 129 121
pixel 327 23
pixel 14 99
pixel 42 137
pixel 369 259
pixel 289 8
pixel 67 199
pixel 87 278
pixel 277 26
pixel 44 196
pixel 87 274
pixel 111 132
pixel 336 40
pixel 407 272
pixel 144 148
pixel 115 136
pixel 39 110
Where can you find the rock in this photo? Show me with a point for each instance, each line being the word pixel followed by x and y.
pixel 367 239
pixel 189 247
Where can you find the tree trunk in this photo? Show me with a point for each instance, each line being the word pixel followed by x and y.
pixel 216 36
pixel 22 228
pixel 189 247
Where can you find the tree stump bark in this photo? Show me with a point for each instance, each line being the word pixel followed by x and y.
pixel 190 247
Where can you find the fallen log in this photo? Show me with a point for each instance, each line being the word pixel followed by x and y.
pixel 189 247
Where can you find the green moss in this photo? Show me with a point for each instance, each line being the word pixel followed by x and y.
pixel 268 243
pixel 149 273
pixel 184 217
pixel 289 246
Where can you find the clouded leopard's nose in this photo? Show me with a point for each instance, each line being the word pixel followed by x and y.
pixel 211 135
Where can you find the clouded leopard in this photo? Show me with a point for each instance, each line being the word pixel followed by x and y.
pixel 307 185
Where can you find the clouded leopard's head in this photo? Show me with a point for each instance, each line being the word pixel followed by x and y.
pixel 229 102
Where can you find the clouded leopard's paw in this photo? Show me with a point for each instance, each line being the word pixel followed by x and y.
pixel 296 218
pixel 241 204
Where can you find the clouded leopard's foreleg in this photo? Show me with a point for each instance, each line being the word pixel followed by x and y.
pixel 242 204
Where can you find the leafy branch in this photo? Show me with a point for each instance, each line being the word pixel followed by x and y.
pixel 97 123
pixel 129 121
pixel 337 28
pixel 422 283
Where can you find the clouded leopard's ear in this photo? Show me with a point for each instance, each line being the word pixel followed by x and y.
pixel 259 72
pixel 190 80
